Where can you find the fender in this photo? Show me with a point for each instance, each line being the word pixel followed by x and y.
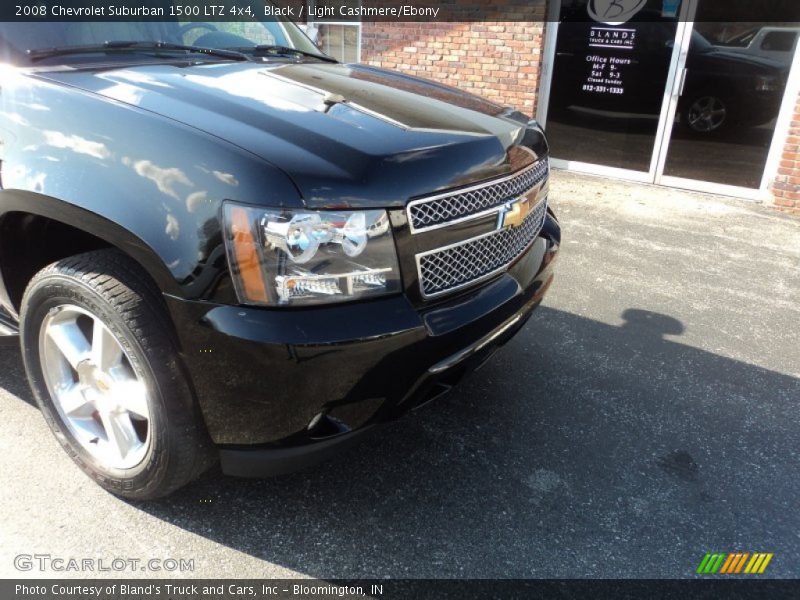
pixel 22 201
pixel 140 181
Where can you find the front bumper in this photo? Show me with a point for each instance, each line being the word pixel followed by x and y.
pixel 280 388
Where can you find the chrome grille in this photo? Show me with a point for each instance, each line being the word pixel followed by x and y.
pixel 439 211
pixel 453 267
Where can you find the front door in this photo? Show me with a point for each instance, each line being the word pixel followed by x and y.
pixel 726 104
pixel 665 91
pixel 612 75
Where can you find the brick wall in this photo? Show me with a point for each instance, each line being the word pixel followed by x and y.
pixel 498 61
pixel 786 188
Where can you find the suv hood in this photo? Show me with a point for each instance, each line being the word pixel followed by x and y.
pixel 739 59
pixel 347 135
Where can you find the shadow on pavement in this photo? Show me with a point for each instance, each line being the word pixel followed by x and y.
pixel 581 449
pixel 12 372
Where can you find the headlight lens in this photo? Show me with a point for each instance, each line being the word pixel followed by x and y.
pixel 281 257
pixel 767 83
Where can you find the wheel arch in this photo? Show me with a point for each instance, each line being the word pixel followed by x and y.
pixel 36 230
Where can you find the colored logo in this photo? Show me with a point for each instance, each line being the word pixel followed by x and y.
pixel 614 12
pixel 734 562
pixel 514 214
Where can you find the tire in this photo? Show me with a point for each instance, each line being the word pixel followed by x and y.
pixel 103 366
pixel 707 114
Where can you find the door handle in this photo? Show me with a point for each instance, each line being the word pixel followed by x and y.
pixel 683 82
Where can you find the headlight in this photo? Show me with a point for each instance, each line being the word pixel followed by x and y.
pixel 281 257
pixel 767 83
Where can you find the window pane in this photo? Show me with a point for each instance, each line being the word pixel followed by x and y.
pixel 779 41
pixel 339 41
pixel 727 113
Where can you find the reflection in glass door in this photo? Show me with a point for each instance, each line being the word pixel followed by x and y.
pixel 686 93
pixel 728 99
pixel 613 64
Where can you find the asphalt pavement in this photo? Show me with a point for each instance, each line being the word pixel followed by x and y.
pixel 649 413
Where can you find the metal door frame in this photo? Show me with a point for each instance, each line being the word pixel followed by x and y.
pixel 779 134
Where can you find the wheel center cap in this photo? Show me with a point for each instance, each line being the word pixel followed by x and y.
pixel 90 376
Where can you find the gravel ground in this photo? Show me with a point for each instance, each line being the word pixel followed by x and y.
pixel 646 415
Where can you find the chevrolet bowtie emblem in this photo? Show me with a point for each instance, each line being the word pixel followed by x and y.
pixel 514 213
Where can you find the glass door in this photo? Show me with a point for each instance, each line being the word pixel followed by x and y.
pixel 614 67
pixel 687 93
pixel 726 103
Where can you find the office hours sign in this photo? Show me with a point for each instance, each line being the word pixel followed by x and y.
pixel 608 58
pixel 627 44
pixel 611 34
pixel 617 62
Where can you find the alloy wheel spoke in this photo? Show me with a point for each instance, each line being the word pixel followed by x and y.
pixel 74 402
pixel 106 351
pixel 87 430
pixel 120 432
pixel 70 341
pixel 99 396
pixel 131 395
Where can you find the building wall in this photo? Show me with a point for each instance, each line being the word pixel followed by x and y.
pixel 498 61
pixel 786 189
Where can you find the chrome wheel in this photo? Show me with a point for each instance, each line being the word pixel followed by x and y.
pixel 707 114
pixel 98 395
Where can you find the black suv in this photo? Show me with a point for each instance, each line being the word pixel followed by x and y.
pixel 219 244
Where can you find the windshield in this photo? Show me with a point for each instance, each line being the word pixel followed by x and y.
pixel 743 39
pixel 17 39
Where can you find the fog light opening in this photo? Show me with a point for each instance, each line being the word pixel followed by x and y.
pixel 324 426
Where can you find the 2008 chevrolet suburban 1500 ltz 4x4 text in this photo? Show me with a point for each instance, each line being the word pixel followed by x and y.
pixel 225 246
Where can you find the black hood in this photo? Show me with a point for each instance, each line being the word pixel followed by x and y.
pixel 748 61
pixel 346 135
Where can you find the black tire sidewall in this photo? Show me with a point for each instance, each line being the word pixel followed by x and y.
pixel 57 290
